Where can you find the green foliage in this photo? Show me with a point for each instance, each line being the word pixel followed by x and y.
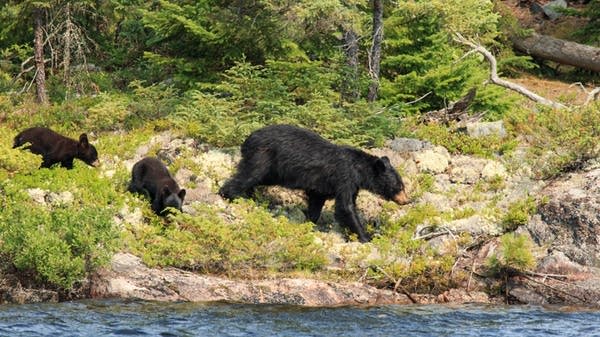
pixel 561 140
pixel 518 213
pixel 252 240
pixel 109 113
pixel 402 257
pixel 59 239
pixel 281 92
pixel 421 63
pixel 13 161
pixel 460 142
pixel 591 31
pixel 514 253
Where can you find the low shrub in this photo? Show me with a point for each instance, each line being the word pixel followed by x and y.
pixel 246 237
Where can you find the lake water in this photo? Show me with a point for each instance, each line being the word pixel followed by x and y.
pixel 138 318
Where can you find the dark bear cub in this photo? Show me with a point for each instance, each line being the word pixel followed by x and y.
pixel 297 158
pixel 56 148
pixel 150 177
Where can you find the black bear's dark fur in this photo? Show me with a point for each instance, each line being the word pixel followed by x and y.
pixel 56 148
pixel 301 159
pixel 150 177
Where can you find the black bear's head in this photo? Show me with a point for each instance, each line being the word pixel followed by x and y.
pixel 86 151
pixel 387 181
pixel 170 199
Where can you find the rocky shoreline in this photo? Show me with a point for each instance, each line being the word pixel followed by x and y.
pixel 565 231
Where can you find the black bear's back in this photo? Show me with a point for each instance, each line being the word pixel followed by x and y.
pixel 288 140
pixel 151 174
pixel 43 140
pixel 297 158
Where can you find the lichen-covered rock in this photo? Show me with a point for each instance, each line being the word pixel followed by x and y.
pixel 482 129
pixel 431 161
pixel 492 170
pixel 572 214
pixel 406 145
pixel 466 170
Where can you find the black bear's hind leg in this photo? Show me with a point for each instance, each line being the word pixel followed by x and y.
pixel 251 172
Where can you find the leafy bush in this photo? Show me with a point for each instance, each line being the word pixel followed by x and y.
pixel 109 113
pixel 518 214
pixel 60 240
pixel 561 140
pixel 149 103
pixel 514 254
pixel 254 96
pixel 460 142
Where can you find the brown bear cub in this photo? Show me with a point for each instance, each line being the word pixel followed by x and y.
pixel 56 148
pixel 297 158
pixel 150 177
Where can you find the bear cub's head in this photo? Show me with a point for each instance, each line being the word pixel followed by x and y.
pixel 86 151
pixel 172 198
pixel 388 182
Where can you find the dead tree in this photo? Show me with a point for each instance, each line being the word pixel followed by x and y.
pixel 38 47
pixel 560 51
pixel 375 54
pixel 494 78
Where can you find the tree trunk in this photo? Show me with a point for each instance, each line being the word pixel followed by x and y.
pixel 557 50
pixel 67 38
pixel 38 43
pixel 350 87
pixel 375 56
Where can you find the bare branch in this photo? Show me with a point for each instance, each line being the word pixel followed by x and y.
pixel 494 78
pixel 592 96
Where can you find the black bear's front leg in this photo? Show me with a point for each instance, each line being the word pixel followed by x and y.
pixel 345 213
pixel 315 205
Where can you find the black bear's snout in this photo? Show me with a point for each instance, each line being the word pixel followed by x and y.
pixel 401 198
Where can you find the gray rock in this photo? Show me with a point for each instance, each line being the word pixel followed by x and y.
pixel 573 216
pixel 128 277
pixel 466 170
pixel 527 296
pixel 431 161
pixel 558 263
pixel 475 225
pixel 19 295
pixel 62 198
pixel 539 231
pixel 550 9
pixel 405 145
pixel 37 195
pixel 492 170
pixel 482 129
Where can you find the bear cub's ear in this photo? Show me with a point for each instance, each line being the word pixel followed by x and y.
pixel 83 139
pixel 381 164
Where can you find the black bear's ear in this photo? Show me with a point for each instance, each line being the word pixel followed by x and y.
pixel 380 164
pixel 181 194
pixel 83 139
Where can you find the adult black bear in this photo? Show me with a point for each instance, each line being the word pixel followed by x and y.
pixel 56 148
pixel 298 158
pixel 150 177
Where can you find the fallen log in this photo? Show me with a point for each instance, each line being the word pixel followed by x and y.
pixel 557 50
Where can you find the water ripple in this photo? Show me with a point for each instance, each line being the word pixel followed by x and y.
pixel 139 318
